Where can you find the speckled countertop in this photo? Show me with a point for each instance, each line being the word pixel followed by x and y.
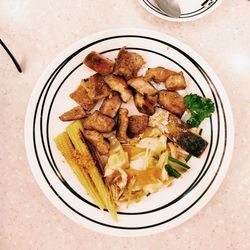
pixel 36 31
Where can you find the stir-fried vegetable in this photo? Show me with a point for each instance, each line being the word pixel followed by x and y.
pixel 118 158
pixel 157 144
pixel 199 108
pixel 172 172
pixel 178 162
pixel 188 157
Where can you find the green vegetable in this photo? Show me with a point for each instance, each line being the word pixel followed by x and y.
pixel 190 155
pixel 172 172
pixel 199 107
pixel 178 162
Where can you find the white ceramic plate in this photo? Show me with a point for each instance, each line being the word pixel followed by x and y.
pixel 190 9
pixel 159 211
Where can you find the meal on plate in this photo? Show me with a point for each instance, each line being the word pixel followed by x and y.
pixel 121 158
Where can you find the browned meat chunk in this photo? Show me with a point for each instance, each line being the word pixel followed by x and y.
pixel 99 63
pixel 127 64
pixel 97 140
pixel 144 104
pixel 142 86
pixel 119 84
pixel 158 74
pixel 137 124
pixel 99 122
pixel 111 105
pixel 75 113
pixel 152 99
pixel 176 82
pixel 172 101
pixel 80 96
pixel 96 87
pixel 122 125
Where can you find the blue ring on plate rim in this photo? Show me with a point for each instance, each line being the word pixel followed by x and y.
pixel 195 182
pixel 184 15
pixel 209 81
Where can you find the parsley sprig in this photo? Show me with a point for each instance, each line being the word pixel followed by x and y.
pixel 199 108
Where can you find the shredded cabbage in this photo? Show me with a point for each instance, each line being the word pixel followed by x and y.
pixel 155 144
pixel 135 170
pixel 118 158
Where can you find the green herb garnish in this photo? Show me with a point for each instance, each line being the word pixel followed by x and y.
pixel 199 107
pixel 178 162
pixel 172 172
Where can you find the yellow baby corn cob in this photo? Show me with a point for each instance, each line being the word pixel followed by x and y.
pixel 65 146
pixel 86 160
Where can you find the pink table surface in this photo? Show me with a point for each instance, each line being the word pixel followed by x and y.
pixel 36 31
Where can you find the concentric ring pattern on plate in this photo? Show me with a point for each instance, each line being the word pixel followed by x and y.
pixel 159 211
pixel 191 10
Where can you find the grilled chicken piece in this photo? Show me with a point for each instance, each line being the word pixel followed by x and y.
pixel 122 125
pixel 137 124
pixel 127 64
pixel 75 113
pixel 97 140
pixel 158 74
pixel 176 82
pixel 144 104
pixel 99 122
pixel 99 63
pixel 80 95
pixel 142 86
pixel 119 84
pixel 176 130
pixel 110 105
pixel 172 101
pixel 96 87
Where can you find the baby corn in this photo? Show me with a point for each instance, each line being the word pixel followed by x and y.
pixel 85 159
pixel 65 146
